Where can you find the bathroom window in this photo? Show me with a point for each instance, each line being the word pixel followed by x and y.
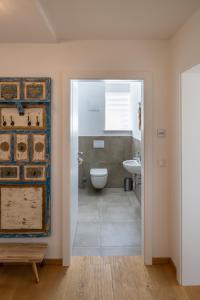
pixel 117 106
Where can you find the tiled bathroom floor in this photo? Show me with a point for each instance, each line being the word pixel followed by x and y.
pixel 109 223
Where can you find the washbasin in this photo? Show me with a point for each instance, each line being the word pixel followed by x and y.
pixel 133 166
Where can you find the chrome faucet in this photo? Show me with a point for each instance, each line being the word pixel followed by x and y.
pixel 137 157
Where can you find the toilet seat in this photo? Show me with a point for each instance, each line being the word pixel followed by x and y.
pixel 98 172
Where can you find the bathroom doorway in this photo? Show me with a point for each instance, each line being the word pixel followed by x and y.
pixel 70 157
pixel 110 157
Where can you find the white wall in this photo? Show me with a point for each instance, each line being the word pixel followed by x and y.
pixel 92 109
pixel 190 98
pixel 54 59
pixel 185 53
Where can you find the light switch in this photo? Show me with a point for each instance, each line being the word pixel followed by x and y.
pixel 161 133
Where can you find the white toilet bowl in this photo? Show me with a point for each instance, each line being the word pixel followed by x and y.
pixel 98 177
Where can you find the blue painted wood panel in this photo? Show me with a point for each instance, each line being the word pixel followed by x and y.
pixel 33 93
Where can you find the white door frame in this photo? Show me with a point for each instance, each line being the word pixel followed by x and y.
pixel 180 162
pixel 147 149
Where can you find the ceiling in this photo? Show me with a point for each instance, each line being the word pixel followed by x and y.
pixel 61 20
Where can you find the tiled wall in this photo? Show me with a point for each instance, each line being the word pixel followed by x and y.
pixel 116 150
pixel 136 146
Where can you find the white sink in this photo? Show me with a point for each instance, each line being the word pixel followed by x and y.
pixel 133 166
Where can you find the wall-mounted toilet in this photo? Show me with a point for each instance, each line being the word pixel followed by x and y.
pixel 99 177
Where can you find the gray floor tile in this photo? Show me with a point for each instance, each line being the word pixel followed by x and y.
pixel 118 191
pixel 90 193
pixel 133 200
pixel 86 251
pixel 121 234
pixel 113 190
pixel 109 223
pixel 88 213
pixel 84 200
pixel 115 200
pixel 120 213
pixel 87 235
pixel 121 251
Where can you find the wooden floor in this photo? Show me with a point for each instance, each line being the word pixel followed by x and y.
pixel 95 278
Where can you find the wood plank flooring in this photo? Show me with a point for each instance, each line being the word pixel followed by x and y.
pixel 95 278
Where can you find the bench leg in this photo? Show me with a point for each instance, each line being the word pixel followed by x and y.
pixel 35 271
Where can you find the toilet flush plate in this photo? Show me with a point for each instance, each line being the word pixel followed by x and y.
pixel 99 144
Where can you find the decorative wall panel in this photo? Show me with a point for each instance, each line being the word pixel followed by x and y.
pixel 34 90
pixel 33 172
pixel 5 147
pixel 9 172
pixel 33 117
pixel 39 147
pixel 22 208
pixel 25 152
pixel 10 89
pixel 21 147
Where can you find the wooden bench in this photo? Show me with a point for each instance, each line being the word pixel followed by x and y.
pixel 23 253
